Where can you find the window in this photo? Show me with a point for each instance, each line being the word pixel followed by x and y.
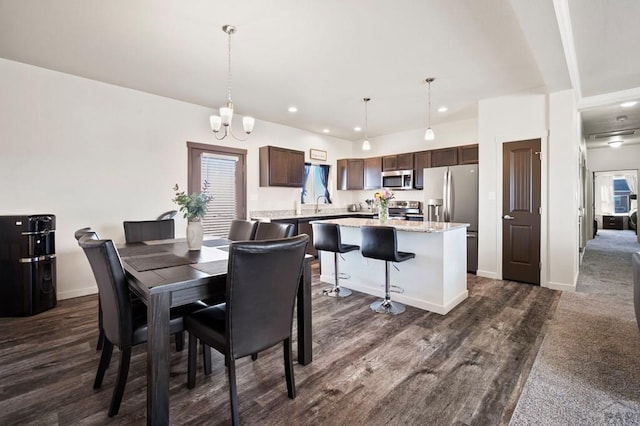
pixel 621 192
pixel 315 184
pixel 224 170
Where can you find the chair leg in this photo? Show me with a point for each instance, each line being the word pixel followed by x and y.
pixel 191 361
pixel 105 360
pixel 206 359
pixel 254 356
pixel 233 391
pixel 386 306
pixel 288 368
pixel 121 381
pixel 336 291
pixel 179 336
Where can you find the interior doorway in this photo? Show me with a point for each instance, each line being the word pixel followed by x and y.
pixel 224 170
pixel 521 197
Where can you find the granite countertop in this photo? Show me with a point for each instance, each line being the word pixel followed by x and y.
pixel 399 224
pixel 275 215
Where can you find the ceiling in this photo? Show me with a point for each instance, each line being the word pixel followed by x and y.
pixel 325 56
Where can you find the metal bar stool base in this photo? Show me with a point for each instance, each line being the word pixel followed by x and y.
pixel 336 292
pixel 386 306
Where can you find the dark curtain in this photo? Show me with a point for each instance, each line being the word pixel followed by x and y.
pixel 305 176
pixel 324 179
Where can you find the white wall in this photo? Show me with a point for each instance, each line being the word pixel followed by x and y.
pixel 563 191
pixel 500 120
pixel 95 154
pixel 605 159
pixel 463 132
pixel 521 117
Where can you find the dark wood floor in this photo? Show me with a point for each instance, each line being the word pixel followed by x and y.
pixel 418 368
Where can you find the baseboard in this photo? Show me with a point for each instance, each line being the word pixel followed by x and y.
pixel 560 286
pixel 487 274
pixel 70 294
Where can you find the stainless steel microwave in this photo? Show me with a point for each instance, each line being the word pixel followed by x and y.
pixel 397 179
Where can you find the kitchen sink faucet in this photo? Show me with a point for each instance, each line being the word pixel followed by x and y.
pixel 318 199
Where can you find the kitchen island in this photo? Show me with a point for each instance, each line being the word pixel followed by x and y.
pixel 436 280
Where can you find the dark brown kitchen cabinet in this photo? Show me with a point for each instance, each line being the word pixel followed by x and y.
pixel 444 157
pixel 373 173
pixel 397 162
pixel 468 154
pixel 350 174
pixel 281 166
pixel 422 160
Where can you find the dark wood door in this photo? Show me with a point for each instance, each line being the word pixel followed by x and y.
pixel 405 161
pixel 468 154
pixel 295 166
pixel 389 163
pixel 521 211
pixel 373 173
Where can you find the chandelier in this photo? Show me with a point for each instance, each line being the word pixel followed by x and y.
pixel 429 135
pixel 226 113
pixel 366 146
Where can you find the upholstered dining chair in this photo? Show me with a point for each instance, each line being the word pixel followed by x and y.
pixel 78 234
pixel 242 230
pixel 167 215
pixel 123 326
pixel 264 271
pixel 273 231
pixel 147 230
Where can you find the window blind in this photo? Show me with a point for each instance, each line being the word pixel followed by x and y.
pixel 220 173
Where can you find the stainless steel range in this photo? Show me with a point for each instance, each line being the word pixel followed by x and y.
pixel 411 210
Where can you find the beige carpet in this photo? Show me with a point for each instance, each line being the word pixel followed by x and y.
pixel 587 371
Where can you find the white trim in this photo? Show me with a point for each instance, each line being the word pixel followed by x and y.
pixel 563 16
pixel 79 292
pixel 560 286
pixel 487 274
pixel 607 99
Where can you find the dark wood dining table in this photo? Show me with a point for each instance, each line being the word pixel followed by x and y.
pixel 165 274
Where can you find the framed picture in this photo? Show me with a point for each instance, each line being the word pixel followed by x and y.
pixel 318 154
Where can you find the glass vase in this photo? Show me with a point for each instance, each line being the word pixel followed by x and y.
pixel 383 213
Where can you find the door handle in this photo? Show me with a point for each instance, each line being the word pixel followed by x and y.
pixel 507 217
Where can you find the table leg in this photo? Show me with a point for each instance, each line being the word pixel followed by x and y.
pixel 305 351
pixel 158 359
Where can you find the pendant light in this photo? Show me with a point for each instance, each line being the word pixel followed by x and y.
pixel 429 135
pixel 226 113
pixel 366 146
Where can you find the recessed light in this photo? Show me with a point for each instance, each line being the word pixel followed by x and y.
pixel 628 104
pixel 326 131
pixel 357 129
pixel 615 144
pixel 292 109
pixel 443 109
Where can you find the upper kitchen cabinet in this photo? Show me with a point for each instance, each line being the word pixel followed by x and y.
pixel 350 174
pixel 444 157
pixel 397 162
pixel 468 154
pixel 281 166
pixel 373 173
pixel 422 160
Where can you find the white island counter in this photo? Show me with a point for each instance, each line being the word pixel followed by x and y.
pixel 436 280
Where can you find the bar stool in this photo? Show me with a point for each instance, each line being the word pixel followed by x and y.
pixel 326 237
pixel 380 242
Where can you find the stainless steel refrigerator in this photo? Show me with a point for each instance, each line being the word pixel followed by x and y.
pixel 455 188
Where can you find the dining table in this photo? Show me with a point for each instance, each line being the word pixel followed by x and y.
pixel 165 274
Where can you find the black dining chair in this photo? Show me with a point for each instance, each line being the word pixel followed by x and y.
pixel 123 325
pixel 147 230
pixel 264 271
pixel 77 235
pixel 167 215
pixel 242 230
pixel 273 231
